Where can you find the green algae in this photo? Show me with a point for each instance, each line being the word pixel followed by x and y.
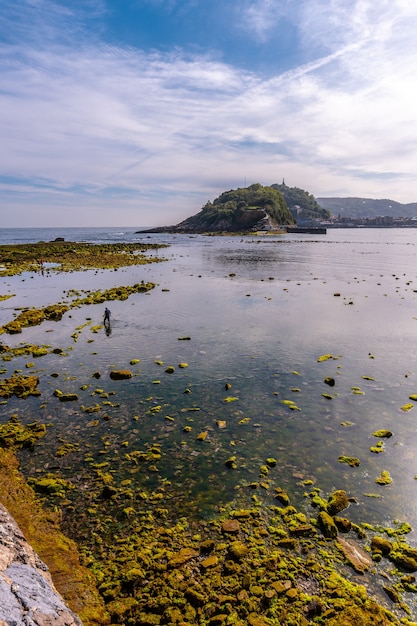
pixel 324 357
pixel 383 433
pixel 33 317
pixel 15 435
pixel 70 256
pixel 384 478
pixel 20 386
pixel 378 447
pixel 50 485
pixel 350 460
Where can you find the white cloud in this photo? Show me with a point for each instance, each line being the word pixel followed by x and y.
pixel 259 18
pixel 124 136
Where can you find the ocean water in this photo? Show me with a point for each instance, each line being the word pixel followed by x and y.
pixel 255 314
pixel 93 235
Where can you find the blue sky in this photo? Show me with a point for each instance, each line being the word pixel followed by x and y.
pixel 136 112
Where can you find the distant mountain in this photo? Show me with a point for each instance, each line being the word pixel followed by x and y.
pixel 244 209
pixel 367 207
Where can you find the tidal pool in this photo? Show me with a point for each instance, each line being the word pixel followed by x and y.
pixel 249 317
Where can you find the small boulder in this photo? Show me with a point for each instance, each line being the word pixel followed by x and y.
pixel 231 526
pixel 120 374
pixel 327 525
pixel 337 501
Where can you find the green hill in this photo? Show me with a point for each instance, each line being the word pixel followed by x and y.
pixel 238 210
pixel 302 204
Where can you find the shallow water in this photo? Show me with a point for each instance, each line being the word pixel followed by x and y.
pixel 259 311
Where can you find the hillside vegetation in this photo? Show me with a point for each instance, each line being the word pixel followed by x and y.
pixel 240 210
pixel 301 203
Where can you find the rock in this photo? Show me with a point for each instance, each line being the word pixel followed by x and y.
pixel 281 495
pixel 302 530
pixel 231 526
pixel 357 558
pixel 379 544
pixel 181 557
pixel 210 561
pixel 68 397
pixel 282 586
pixel 337 501
pixel 120 374
pixel 405 558
pixel 238 550
pixel 343 524
pixel 27 593
pixel 327 525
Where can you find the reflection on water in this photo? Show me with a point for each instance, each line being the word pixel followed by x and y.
pixel 255 313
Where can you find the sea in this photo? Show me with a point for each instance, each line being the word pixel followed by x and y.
pixel 295 347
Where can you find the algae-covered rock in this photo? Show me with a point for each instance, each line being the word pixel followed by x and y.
pixel 210 561
pixel 120 374
pixel 337 501
pixel 282 496
pixel 324 357
pixel 384 478
pixel 377 448
pixel 238 550
pixel 379 544
pixel 51 485
pixel 383 433
pixel 350 460
pixel 404 558
pixel 184 555
pixel 14 435
pixel 327 525
pixel 20 386
pixel 68 397
pixel 343 524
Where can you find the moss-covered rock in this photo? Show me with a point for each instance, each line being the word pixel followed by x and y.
pixel 120 374
pixel 337 501
pixel 327 525
pixel 20 386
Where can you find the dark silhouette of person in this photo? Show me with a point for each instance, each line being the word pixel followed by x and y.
pixel 106 315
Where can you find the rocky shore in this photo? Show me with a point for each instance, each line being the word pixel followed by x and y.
pixel 27 593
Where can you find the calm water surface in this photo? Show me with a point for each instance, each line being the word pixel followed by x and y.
pixel 258 312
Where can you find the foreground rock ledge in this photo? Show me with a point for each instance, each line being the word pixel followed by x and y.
pixel 27 594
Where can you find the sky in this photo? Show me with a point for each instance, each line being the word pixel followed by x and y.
pixel 137 112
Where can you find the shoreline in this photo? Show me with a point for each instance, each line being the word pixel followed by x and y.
pixel 273 560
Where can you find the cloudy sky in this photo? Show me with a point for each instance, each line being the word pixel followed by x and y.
pixel 136 112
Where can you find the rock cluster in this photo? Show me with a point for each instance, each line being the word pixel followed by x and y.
pixel 27 594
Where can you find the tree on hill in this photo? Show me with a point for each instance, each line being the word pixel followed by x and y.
pixel 301 203
pixel 240 209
